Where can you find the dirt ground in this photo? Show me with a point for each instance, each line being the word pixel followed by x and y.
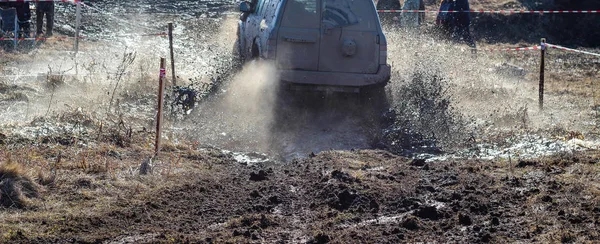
pixel 464 155
pixel 204 195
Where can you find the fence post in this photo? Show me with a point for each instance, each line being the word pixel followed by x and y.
pixel 77 24
pixel 172 54
pixel 161 88
pixel 542 66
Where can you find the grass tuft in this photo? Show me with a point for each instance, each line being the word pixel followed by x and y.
pixel 15 187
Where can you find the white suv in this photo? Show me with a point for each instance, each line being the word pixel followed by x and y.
pixel 320 43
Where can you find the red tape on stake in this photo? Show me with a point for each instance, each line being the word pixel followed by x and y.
pixel 512 11
pixel 163 73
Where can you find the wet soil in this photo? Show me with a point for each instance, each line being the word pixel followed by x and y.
pixel 335 196
pixel 466 155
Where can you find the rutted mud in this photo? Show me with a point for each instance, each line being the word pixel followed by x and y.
pixel 484 164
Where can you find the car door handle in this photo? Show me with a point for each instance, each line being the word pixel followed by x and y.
pixel 299 39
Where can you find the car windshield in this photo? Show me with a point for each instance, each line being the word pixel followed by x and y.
pixel 338 13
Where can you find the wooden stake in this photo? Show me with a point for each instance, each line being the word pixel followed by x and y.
pixel 172 53
pixel 77 24
pixel 542 66
pixel 161 88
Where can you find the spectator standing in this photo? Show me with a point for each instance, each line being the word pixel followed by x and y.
pixel 45 8
pixel 24 17
pixel 457 21
pixel 412 19
pixel 463 22
pixel 388 18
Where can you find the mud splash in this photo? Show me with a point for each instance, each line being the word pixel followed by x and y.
pixel 450 99
pixel 446 99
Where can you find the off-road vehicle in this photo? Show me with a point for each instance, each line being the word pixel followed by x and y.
pixel 325 44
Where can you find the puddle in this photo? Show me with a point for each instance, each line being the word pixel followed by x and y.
pixel 524 147
pixel 251 158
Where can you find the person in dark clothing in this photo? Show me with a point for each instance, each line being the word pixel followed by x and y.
pixel 389 18
pixel 44 8
pixel 463 22
pixel 24 17
pixel 456 24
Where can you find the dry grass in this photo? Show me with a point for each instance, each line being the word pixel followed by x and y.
pixel 72 182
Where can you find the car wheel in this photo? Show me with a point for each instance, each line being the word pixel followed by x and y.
pixel 255 52
pixel 374 105
pixel 236 53
pixel 374 99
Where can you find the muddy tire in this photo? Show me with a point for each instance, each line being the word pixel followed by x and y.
pixel 374 104
pixel 374 98
pixel 255 55
pixel 236 54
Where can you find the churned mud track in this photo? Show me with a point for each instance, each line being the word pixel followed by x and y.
pixel 80 179
pixel 335 196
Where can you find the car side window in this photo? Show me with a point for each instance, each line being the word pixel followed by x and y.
pixel 301 14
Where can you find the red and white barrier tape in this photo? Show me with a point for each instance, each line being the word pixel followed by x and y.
pixel 154 34
pixel 511 11
pixel 22 1
pixel 69 37
pixel 42 75
pixel 512 49
pixel 571 50
pixel 38 38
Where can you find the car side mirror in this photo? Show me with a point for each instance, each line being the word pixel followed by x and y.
pixel 245 7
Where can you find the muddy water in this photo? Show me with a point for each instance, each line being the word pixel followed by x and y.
pixel 486 98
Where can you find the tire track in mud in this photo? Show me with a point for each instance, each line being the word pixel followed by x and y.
pixel 362 196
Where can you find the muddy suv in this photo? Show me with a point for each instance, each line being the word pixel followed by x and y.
pixel 332 44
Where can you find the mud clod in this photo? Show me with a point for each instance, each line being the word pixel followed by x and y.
pixel 486 237
pixel 274 200
pixel 464 219
pixel 321 238
pixel 525 163
pixel 495 221
pixel 260 176
pixel 255 194
pixel 343 177
pixel 428 212
pixel 345 200
pixel 84 183
pixel 411 223
pixel 418 162
pixel 547 198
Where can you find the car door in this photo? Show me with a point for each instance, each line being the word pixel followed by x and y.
pixel 298 36
pixel 350 37
pixel 249 28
